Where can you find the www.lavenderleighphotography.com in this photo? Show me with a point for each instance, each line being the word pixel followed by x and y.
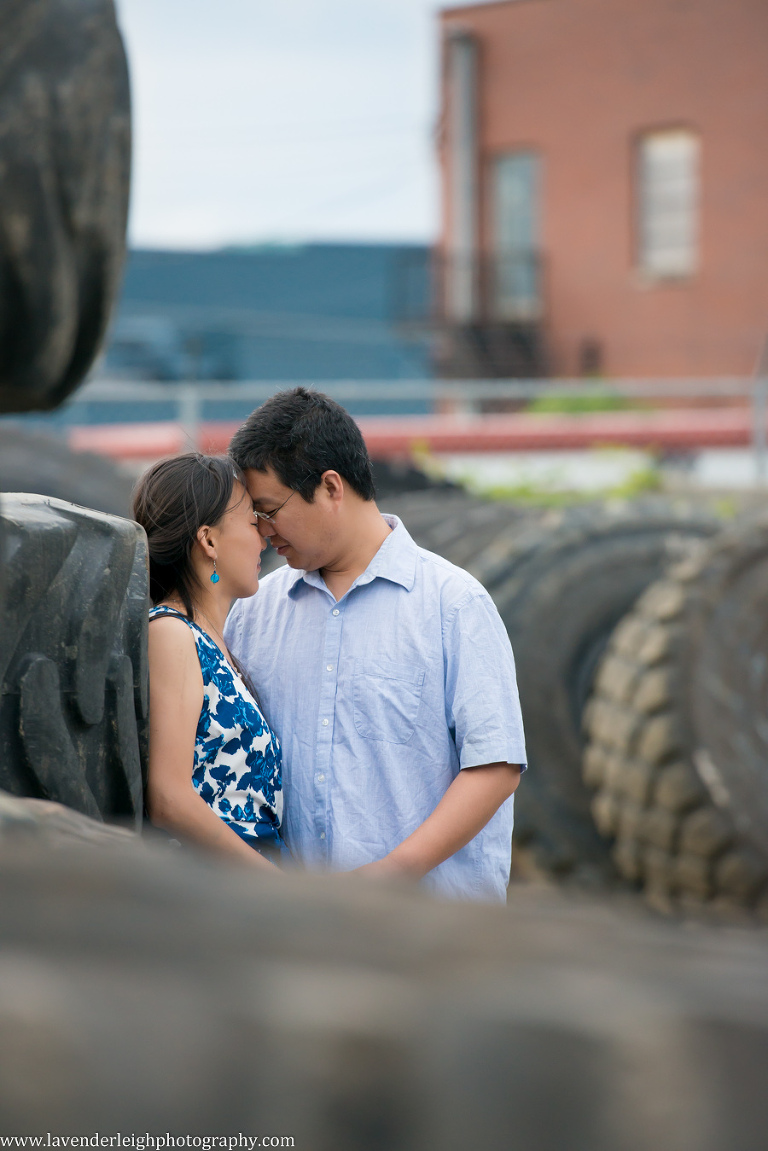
pixel 147 1142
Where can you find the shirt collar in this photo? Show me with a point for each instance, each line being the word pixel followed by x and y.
pixel 396 558
pixel 395 561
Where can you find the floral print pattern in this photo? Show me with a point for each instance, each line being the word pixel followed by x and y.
pixel 238 763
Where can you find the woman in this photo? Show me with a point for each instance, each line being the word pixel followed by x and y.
pixel 206 728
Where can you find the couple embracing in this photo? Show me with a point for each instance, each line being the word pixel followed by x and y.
pixel 359 711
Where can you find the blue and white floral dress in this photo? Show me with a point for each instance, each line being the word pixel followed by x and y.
pixel 238 762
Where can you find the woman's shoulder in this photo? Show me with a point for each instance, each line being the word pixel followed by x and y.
pixel 170 630
pixel 174 662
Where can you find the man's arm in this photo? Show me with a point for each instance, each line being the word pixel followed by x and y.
pixel 474 796
pixel 482 704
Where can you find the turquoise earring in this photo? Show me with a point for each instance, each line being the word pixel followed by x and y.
pixel 215 576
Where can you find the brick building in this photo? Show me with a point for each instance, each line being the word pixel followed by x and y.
pixel 605 180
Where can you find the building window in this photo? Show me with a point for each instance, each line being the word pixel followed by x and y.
pixel 516 191
pixel 668 199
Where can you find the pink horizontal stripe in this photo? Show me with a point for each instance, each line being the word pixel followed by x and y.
pixel 667 429
pixel 128 441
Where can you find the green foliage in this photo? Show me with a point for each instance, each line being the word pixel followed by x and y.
pixel 726 507
pixel 572 403
pixel 638 483
pixel 534 496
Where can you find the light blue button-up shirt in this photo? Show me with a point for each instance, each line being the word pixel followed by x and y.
pixel 379 700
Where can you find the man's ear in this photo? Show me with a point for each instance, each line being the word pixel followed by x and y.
pixel 333 485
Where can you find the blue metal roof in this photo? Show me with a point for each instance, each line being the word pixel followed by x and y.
pixel 307 312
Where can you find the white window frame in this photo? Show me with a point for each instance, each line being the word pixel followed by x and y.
pixel 516 270
pixel 668 164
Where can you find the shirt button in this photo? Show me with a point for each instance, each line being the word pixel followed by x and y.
pixel 325 723
pixel 321 779
pixel 322 835
pixel 329 667
pixel 335 611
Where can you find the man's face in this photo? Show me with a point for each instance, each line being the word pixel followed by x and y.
pixel 303 533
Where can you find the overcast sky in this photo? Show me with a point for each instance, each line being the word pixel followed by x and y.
pixel 260 120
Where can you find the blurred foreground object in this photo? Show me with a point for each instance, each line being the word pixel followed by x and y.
pixel 358 1016
pixel 53 825
pixel 73 622
pixel 65 160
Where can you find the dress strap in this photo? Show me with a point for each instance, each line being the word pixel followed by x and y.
pixel 200 634
pixel 162 609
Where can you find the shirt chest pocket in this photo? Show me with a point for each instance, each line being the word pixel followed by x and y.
pixel 386 699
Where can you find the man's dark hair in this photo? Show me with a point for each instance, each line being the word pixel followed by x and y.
pixel 300 434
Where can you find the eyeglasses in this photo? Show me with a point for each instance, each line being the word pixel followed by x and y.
pixel 269 517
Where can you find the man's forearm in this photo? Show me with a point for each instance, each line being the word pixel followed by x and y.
pixel 474 796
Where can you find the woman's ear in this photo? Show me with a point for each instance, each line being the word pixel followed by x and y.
pixel 206 542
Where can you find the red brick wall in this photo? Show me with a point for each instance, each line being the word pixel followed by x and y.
pixel 579 80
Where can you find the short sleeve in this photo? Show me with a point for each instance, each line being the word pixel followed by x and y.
pixel 481 697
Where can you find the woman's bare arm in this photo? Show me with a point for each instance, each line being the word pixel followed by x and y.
pixel 175 701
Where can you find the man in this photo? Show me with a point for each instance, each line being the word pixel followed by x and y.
pixel 385 670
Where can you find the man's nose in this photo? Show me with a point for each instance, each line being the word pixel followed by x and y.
pixel 266 529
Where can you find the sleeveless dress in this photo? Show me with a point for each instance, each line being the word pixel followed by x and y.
pixel 237 767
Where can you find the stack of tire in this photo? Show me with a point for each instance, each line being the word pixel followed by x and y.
pixel 677 728
pixel 640 633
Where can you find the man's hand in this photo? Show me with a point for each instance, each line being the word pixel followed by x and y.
pixel 475 795
pixel 386 868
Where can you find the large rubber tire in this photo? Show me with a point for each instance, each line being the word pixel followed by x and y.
pixel 728 695
pixel 463 532
pixel 141 994
pixel 677 750
pixel 561 582
pixel 65 158
pixel 32 461
pixel 73 668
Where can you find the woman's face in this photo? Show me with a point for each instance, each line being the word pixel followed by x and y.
pixel 238 546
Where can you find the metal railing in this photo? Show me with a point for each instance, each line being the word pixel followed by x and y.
pixel 192 403
pixel 469 393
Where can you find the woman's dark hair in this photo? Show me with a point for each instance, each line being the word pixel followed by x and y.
pixel 172 501
pixel 300 434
